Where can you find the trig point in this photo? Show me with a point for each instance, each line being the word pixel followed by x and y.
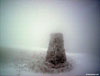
pixel 56 59
pixel 56 52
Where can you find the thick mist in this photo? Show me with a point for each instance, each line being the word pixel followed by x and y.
pixel 28 24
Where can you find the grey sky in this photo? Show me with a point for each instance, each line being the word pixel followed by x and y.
pixel 28 23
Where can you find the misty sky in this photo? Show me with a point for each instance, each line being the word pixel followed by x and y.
pixel 28 23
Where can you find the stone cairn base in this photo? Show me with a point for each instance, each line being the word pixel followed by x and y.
pixel 56 60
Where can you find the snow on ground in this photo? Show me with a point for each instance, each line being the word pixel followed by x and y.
pixel 28 63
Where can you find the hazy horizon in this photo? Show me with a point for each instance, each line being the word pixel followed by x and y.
pixel 28 23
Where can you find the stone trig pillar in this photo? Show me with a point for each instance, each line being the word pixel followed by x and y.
pixel 56 57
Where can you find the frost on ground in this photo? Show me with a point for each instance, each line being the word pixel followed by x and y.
pixel 31 63
pixel 21 62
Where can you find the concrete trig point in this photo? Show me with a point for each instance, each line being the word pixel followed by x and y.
pixel 56 57
pixel 56 52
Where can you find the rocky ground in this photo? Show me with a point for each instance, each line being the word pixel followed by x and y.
pixel 31 63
